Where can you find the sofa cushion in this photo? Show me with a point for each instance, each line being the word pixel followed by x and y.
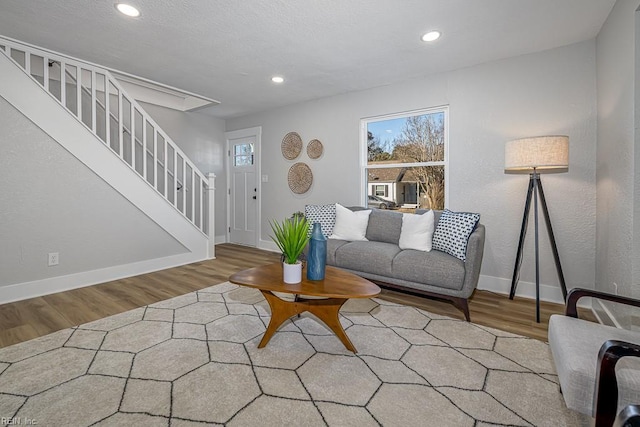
pixel 323 214
pixel 384 226
pixel 417 231
pixel 435 268
pixel 372 257
pixel 350 225
pixel 453 231
pixel 332 246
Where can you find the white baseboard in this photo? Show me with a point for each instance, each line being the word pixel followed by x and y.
pixel 268 245
pixel 36 288
pixel 549 293
pixel 525 289
pixel 610 318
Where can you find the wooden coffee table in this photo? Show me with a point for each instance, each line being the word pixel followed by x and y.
pixel 337 287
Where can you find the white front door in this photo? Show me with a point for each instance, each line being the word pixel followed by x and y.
pixel 243 190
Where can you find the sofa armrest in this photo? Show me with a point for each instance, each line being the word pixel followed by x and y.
pixel 473 262
pixel 576 293
pixel 606 397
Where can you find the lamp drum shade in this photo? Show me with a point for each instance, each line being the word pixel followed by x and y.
pixel 539 153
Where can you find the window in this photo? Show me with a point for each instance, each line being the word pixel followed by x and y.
pixel 405 158
pixel 243 154
pixel 380 190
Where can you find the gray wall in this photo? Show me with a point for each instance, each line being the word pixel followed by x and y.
pixel 201 137
pixel 552 92
pixel 53 203
pixel 617 163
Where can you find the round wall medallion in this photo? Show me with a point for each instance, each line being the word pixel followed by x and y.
pixel 314 149
pixel 300 178
pixel 291 145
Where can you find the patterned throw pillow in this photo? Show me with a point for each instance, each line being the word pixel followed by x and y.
pixel 324 214
pixel 453 231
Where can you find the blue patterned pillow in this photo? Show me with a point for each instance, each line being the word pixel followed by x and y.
pixel 324 214
pixel 453 231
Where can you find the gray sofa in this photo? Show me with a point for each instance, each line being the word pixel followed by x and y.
pixel 435 274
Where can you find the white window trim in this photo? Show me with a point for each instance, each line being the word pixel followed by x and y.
pixel 363 149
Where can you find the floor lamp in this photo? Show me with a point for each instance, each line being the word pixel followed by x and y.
pixel 537 155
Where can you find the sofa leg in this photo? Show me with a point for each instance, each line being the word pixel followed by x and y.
pixel 463 304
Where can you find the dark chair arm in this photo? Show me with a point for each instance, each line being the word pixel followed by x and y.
pixel 576 293
pixel 606 396
pixel 628 417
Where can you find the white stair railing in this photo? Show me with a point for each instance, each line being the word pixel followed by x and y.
pixel 99 102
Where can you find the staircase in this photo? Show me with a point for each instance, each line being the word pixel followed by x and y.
pixel 126 147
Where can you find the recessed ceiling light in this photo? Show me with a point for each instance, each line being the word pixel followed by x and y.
pixel 431 36
pixel 127 9
pixel 277 79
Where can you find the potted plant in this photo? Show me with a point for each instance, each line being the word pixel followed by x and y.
pixel 291 236
pixel 298 214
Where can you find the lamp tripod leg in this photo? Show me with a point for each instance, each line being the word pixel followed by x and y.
pixel 552 239
pixel 536 186
pixel 523 233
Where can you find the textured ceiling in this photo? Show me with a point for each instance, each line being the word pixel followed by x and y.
pixel 228 50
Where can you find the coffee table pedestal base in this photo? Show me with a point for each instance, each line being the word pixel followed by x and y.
pixel 324 309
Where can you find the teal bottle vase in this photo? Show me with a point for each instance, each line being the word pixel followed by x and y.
pixel 317 258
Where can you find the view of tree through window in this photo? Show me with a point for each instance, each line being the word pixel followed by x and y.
pixel 406 159
pixel 243 154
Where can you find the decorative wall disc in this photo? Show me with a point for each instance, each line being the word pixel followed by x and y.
pixel 314 149
pixel 291 145
pixel 300 178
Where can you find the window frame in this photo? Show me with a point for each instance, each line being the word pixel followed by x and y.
pixel 235 156
pixel 364 166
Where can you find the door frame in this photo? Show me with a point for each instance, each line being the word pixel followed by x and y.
pixel 255 132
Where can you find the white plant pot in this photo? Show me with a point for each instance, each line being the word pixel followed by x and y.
pixel 292 273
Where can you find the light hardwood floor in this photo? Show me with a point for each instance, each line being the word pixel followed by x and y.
pixel 32 318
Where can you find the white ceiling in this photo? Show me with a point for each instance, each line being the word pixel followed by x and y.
pixel 229 49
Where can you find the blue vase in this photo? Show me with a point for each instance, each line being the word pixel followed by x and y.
pixel 317 258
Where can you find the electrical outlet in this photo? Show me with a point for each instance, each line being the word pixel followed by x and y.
pixel 615 288
pixel 54 258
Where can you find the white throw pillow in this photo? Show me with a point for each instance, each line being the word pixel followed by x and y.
pixel 417 231
pixel 350 225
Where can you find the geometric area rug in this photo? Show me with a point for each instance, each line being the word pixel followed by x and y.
pixel 193 361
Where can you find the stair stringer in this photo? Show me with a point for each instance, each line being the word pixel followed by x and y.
pixel 26 95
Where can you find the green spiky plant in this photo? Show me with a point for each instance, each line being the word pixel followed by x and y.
pixel 291 236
